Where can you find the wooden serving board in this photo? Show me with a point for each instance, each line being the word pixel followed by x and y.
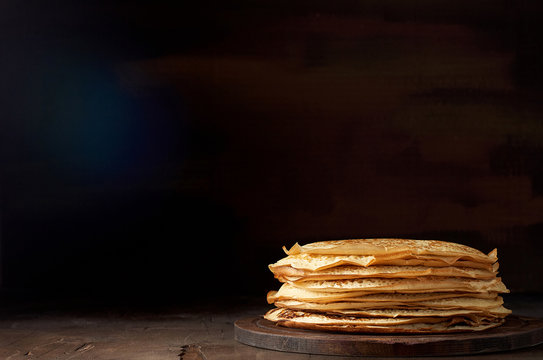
pixel 517 332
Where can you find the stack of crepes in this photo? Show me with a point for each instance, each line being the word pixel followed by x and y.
pixel 388 286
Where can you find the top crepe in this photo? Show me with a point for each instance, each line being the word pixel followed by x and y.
pixel 317 262
pixel 385 247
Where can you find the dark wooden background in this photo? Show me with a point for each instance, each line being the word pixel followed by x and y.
pixel 165 151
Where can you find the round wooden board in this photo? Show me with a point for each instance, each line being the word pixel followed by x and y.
pixel 517 332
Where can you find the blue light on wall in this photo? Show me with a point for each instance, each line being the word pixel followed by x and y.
pixel 94 130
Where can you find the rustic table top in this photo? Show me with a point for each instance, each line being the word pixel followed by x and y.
pixel 203 331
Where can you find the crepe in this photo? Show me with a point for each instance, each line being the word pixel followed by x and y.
pixel 465 302
pixel 416 285
pixel 328 322
pixel 388 247
pixel 290 274
pixel 314 262
pixel 388 286
pixel 290 292
pixel 497 311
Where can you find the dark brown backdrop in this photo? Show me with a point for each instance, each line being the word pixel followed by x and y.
pixel 147 143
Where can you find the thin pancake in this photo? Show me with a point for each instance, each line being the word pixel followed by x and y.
pixel 383 247
pixel 288 273
pixel 313 262
pixel 290 292
pixel 427 284
pixel 498 311
pixel 470 303
pixel 326 322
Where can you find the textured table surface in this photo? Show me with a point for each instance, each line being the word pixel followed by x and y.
pixel 203 331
